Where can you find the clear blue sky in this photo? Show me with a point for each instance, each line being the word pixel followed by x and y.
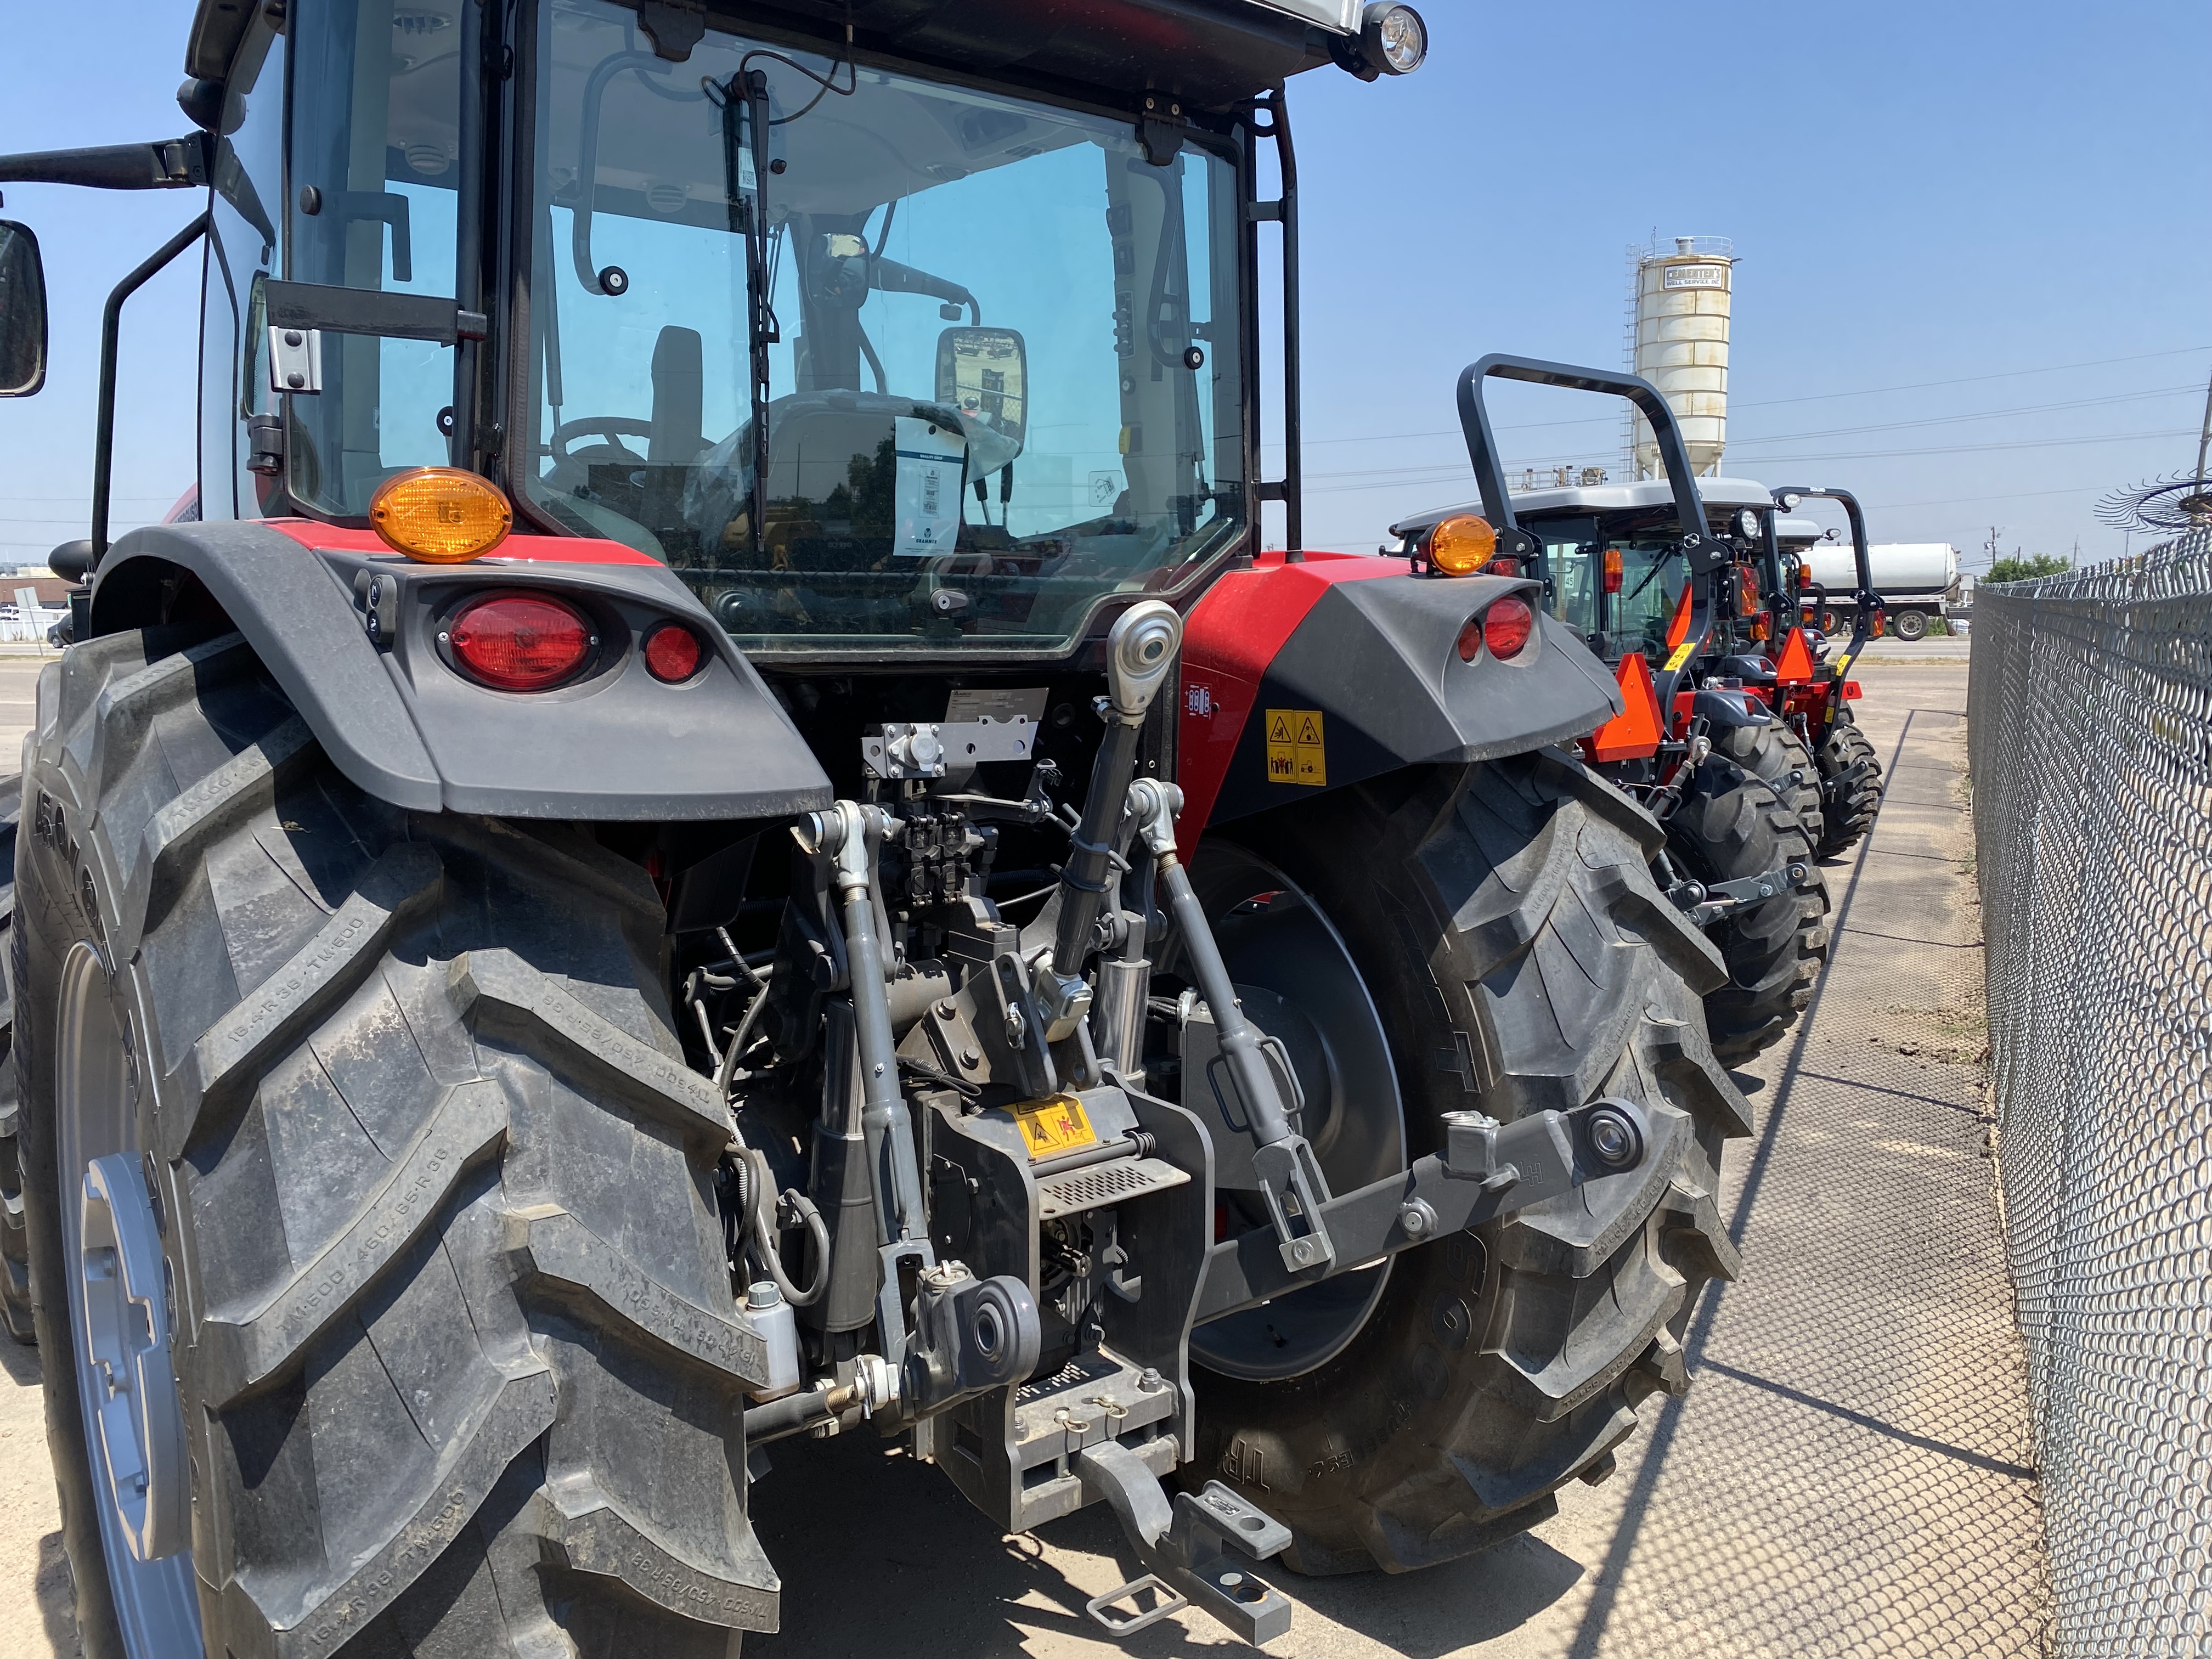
pixel 1983 223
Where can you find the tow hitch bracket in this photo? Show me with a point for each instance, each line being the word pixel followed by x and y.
pixel 1181 1546
pixel 1486 1170
pixel 1707 903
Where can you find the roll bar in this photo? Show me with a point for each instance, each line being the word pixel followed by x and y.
pixel 1704 553
pixel 1868 601
pixel 1489 470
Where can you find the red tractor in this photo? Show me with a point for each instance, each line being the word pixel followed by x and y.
pixel 1809 689
pixel 1659 578
pixel 722 833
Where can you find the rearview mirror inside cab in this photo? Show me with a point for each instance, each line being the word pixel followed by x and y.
pixel 22 312
pixel 984 374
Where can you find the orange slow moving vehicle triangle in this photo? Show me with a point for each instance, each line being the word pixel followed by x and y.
pixel 1634 733
pixel 1794 666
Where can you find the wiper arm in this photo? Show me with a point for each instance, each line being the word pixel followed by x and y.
pixel 1651 576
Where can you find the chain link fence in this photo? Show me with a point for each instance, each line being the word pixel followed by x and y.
pixel 2091 745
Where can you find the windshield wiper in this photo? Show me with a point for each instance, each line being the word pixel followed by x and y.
pixel 1651 576
pixel 763 327
pixel 760 296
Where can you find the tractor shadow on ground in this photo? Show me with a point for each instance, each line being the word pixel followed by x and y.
pixel 864 1541
pixel 51 1585
pixel 21 1361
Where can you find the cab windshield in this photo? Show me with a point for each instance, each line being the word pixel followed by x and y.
pixel 1003 383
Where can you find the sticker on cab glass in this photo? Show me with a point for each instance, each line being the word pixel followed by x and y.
pixel 1052 1127
pixel 1296 751
pixel 1683 652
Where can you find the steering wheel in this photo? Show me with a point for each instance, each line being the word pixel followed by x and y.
pixel 611 428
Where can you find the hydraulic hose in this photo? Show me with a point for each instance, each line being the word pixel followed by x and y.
pixel 761 1185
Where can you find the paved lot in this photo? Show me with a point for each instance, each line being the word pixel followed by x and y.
pixel 19 686
pixel 1847 1476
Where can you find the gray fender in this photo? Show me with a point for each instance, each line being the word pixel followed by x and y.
pixel 1378 660
pixel 397 720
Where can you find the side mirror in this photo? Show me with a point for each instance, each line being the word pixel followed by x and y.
pixel 984 372
pixel 22 312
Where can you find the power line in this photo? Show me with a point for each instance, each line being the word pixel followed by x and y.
pixel 1411 477
pixel 1985 415
pixel 1773 403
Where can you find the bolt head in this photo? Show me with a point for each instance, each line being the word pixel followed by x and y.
pixel 1413 1219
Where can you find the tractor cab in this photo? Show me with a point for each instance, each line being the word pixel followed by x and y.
pixel 884 331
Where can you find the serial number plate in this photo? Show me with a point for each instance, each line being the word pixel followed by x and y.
pixel 1055 1126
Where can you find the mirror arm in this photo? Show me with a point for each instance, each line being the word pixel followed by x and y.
pixel 890 276
pixel 165 164
pixel 111 327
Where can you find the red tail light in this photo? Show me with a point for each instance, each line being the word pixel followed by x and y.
pixel 672 651
pixel 520 642
pixel 1503 630
pixel 1612 570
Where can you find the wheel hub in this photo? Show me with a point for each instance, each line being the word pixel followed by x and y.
pixel 132 1381
pixel 121 1313
pixel 1299 983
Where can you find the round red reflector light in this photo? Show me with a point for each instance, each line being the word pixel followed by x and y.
pixel 1506 626
pixel 672 651
pixel 1470 638
pixel 519 641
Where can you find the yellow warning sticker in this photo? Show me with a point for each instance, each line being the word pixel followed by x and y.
pixel 1842 662
pixel 1296 751
pixel 1683 652
pixel 1055 1126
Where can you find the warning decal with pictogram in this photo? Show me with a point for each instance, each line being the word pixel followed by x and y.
pixel 1297 752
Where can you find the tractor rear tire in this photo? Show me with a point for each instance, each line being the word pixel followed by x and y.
pixel 14 1246
pixel 431 1186
pixel 1503 919
pixel 1743 815
pixel 1851 785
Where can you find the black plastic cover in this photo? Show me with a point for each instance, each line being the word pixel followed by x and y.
pixel 1719 706
pixel 399 720
pixel 1208 54
pixel 1379 661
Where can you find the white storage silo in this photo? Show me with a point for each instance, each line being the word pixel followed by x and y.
pixel 1682 345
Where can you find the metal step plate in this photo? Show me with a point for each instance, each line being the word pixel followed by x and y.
pixel 1102 1184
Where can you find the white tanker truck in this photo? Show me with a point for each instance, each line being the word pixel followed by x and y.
pixel 1916 580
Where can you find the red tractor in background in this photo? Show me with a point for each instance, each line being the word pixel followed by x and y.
pixel 1660 578
pixel 1808 686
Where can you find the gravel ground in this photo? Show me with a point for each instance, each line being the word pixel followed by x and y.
pixel 1849 1475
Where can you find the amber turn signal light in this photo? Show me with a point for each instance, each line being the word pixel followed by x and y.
pixel 1463 545
pixel 440 514
pixel 1612 570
